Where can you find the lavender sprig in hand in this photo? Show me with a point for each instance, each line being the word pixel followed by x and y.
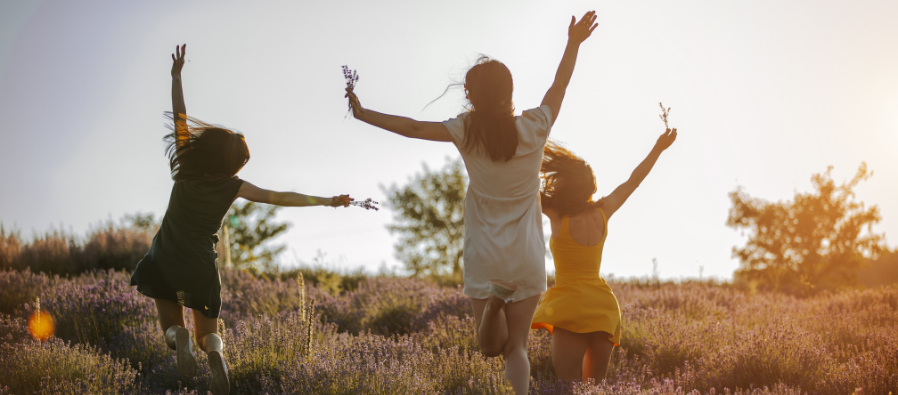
pixel 663 116
pixel 351 78
pixel 367 204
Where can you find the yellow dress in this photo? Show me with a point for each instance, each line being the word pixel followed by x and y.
pixel 580 301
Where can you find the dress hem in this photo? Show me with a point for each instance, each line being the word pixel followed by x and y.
pixel 551 328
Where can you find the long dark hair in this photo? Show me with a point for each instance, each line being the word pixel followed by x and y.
pixel 490 124
pixel 200 151
pixel 568 182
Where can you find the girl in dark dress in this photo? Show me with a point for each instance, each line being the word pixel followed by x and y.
pixel 180 269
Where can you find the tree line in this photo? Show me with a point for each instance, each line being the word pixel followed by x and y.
pixel 821 239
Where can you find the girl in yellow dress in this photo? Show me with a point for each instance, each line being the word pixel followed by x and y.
pixel 580 311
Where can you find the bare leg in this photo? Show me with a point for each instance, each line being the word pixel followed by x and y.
pixel 568 350
pixel 171 320
pixel 491 325
pixel 598 356
pixel 505 327
pixel 206 332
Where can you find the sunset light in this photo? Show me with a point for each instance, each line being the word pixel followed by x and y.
pixel 203 197
pixel 41 325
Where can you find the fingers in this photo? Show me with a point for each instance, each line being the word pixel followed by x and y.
pixel 573 19
pixel 180 50
pixel 588 18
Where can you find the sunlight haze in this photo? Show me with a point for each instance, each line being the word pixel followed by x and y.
pixel 764 94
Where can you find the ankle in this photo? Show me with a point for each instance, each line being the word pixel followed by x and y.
pixel 170 336
pixel 211 342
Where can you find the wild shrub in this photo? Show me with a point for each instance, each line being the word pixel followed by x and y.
pixel 58 367
pixel 19 288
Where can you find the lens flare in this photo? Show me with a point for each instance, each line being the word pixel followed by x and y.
pixel 41 325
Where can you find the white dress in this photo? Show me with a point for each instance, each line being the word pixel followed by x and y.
pixel 503 217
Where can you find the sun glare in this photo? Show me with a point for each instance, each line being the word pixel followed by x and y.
pixel 41 325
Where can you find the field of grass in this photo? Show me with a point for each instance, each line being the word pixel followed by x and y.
pixel 404 336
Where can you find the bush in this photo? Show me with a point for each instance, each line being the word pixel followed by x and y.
pixel 57 367
pixel 394 335
pixel 106 246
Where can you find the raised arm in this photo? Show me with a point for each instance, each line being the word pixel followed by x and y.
pixel 576 34
pixel 179 109
pixel 620 195
pixel 432 131
pixel 290 199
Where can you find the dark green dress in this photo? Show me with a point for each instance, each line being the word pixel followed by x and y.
pixel 181 264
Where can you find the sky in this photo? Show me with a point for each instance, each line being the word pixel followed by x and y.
pixel 764 94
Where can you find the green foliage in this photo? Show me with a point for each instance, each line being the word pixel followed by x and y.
pixel 250 226
pixel 429 217
pixel 817 240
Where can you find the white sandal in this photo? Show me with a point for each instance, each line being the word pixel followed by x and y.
pixel 184 350
pixel 219 368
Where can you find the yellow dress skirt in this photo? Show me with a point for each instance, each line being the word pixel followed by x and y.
pixel 580 301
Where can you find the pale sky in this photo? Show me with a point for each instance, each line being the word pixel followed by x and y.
pixel 764 94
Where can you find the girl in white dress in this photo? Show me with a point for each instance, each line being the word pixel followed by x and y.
pixel 504 251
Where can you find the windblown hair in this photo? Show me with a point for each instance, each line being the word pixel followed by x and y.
pixel 200 151
pixel 568 182
pixel 490 124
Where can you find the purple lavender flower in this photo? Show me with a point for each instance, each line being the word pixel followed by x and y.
pixel 367 204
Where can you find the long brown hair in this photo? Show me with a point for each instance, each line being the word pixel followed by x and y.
pixel 490 124
pixel 200 151
pixel 568 182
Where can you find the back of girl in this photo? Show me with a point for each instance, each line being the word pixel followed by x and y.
pixel 180 270
pixel 504 250
pixel 580 311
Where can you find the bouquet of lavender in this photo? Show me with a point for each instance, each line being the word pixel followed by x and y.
pixel 351 78
pixel 664 113
pixel 367 204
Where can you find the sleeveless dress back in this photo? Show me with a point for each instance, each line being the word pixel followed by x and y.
pixel 181 264
pixel 580 301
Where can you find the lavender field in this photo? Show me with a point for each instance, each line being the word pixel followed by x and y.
pixel 406 336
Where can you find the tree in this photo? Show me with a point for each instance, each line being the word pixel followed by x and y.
pixel 249 228
pixel 819 239
pixel 429 217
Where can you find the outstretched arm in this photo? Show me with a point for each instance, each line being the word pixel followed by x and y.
pixel 620 195
pixel 179 109
pixel 290 199
pixel 432 131
pixel 577 33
